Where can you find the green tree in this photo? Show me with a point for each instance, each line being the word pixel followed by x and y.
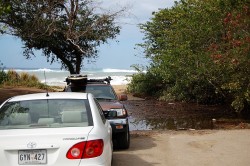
pixel 232 54
pixel 200 51
pixel 66 31
pixel 3 8
pixel 175 41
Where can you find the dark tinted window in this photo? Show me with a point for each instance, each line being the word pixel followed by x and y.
pixel 99 91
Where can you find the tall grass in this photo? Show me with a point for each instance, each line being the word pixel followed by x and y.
pixel 3 75
pixel 12 78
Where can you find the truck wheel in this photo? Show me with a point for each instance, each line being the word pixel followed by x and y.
pixel 123 140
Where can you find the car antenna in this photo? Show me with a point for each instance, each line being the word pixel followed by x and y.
pixel 47 93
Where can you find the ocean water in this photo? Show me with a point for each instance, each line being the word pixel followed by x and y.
pixel 56 77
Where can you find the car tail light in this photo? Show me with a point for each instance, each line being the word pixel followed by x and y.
pixel 88 149
pixel 93 149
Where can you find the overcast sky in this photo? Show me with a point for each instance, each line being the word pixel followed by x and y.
pixel 118 55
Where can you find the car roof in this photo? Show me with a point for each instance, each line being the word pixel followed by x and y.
pixel 51 95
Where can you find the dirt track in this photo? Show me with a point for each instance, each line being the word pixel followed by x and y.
pixel 189 148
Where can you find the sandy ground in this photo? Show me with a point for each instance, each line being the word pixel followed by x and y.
pixel 174 148
pixel 189 148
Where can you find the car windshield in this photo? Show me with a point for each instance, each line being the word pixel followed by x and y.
pixel 100 92
pixel 54 113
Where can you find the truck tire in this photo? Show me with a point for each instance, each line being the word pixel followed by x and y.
pixel 123 139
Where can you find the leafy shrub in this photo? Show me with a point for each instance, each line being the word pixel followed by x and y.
pixel 145 84
pixel 3 75
pixel 200 50
pixel 199 91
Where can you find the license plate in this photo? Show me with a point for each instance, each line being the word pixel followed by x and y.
pixel 29 157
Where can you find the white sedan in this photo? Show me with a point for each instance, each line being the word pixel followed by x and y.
pixel 56 129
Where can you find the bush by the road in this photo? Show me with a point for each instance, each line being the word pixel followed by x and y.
pixel 199 50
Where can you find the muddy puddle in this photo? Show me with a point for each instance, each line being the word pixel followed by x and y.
pixel 156 115
pixel 171 123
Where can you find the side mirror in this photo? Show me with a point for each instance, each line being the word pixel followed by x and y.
pixel 123 97
pixel 110 114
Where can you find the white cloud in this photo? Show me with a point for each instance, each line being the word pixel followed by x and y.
pixel 138 10
pixel 123 52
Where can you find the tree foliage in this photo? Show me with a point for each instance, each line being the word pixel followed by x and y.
pixel 200 50
pixel 4 8
pixel 68 31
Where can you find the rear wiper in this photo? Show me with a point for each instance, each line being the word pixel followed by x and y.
pixel 39 125
pixel 102 98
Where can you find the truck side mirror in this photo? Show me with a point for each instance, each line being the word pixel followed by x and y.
pixel 110 114
pixel 123 97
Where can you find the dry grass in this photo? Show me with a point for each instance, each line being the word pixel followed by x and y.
pixel 23 80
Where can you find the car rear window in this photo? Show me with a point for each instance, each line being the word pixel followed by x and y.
pixel 52 113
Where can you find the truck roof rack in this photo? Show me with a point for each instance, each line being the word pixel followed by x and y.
pixel 77 78
pixel 107 80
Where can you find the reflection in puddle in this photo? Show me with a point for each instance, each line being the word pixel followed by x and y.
pixel 135 124
pixel 171 123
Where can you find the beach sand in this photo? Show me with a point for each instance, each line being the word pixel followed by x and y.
pixel 120 88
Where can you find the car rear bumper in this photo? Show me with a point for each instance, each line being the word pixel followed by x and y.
pixel 119 125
